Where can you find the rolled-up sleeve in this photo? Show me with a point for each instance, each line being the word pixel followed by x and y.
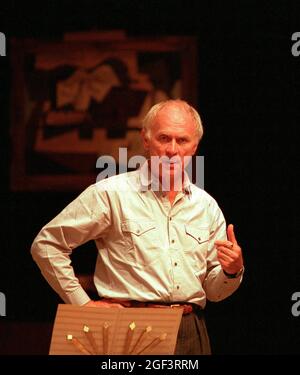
pixel 86 218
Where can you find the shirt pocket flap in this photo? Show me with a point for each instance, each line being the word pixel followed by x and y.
pixel 136 227
pixel 199 234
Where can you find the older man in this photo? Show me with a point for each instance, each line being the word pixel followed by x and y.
pixel 161 240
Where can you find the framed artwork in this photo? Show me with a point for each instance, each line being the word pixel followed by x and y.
pixel 76 100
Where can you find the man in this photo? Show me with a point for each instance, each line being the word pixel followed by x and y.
pixel 161 240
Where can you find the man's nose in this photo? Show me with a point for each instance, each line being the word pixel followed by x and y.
pixel 172 148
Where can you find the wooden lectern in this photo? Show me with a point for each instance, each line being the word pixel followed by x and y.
pixel 107 331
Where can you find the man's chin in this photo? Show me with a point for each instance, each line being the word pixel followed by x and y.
pixel 172 167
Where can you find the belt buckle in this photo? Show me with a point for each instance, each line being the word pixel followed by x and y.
pixel 186 309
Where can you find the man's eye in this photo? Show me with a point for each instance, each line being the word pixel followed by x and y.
pixel 163 138
pixel 182 141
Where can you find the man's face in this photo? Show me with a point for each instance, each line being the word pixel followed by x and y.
pixel 173 136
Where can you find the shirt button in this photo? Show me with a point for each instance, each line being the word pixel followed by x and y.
pixel 175 264
pixel 173 241
pixel 199 238
pixel 177 287
pixel 170 218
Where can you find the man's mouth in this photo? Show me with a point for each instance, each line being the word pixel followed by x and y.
pixel 172 162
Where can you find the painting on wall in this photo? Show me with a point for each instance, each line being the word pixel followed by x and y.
pixel 76 100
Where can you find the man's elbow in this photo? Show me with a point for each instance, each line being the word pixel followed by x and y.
pixel 214 297
pixel 36 247
pixel 34 250
pixel 217 297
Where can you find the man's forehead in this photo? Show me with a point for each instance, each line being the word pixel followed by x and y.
pixel 175 111
pixel 174 118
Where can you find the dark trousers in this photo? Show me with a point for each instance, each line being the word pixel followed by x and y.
pixel 192 335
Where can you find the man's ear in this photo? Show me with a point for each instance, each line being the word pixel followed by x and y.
pixel 145 140
pixel 195 148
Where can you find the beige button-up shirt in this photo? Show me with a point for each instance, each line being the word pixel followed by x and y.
pixel 148 249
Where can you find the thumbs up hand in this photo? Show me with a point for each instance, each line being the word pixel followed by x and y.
pixel 230 253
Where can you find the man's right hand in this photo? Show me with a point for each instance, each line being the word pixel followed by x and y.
pixel 104 304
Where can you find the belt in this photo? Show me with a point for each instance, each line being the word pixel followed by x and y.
pixel 187 307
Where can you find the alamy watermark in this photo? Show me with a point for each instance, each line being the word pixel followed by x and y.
pixel 2 304
pixel 163 173
pixel 296 46
pixel 296 306
pixel 2 44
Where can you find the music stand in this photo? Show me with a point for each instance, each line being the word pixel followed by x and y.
pixel 106 331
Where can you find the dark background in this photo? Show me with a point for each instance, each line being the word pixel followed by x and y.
pixel 248 85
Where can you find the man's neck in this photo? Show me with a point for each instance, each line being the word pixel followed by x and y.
pixel 172 195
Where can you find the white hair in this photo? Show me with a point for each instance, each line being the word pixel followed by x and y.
pixel 183 105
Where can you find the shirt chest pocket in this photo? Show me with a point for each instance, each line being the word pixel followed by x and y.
pixel 141 241
pixel 196 239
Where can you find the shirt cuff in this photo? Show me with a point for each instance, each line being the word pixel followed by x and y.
pixel 78 297
pixel 235 275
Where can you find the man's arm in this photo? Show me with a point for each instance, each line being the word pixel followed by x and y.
pixel 224 269
pixel 84 219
